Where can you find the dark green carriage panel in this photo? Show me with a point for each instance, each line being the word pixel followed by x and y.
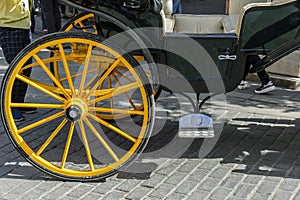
pixel 267 28
pixel 203 63
pixel 272 31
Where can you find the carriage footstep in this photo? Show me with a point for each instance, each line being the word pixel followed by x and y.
pixel 196 126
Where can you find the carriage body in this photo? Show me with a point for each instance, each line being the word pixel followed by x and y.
pixel 174 50
pixel 93 91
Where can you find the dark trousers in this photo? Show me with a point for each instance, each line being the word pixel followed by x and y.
pixel 262 75
pixel 52 15
pixel 12 42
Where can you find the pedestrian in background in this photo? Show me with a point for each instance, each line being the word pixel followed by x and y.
pixel 51 9
pixel 177 8
pixel 14 36
pixel 266 83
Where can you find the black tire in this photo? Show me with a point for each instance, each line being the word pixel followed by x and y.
pixel 48 139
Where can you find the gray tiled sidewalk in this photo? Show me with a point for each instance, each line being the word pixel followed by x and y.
pixel 257 156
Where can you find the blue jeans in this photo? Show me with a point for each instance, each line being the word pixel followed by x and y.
pixel 177 8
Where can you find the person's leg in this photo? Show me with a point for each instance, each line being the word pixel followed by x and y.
pixel 243 84
pixel 32 19
pixel 45 30
pixel 266 84
pixel 177 8
pixel 12 42
pixel 247 67
pixel 57 16
pixel 263 77
pixel 47 8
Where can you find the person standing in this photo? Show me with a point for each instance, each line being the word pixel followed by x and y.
pixel 14 36
pixel 266 83
pixel 51 9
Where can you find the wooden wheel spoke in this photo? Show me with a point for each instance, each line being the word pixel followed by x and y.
pixel 67 146
pixel 122 75
pixel 117 111
pixel 85 69
pixel 39 87
pixel 110 86
pixel 125 93
pixel 106 74
pixel 52 77
pixel 79 74
pixel 40 122
pixel 86 145
pixel 37 105
pixel 52 136
pixel 113 128
pixel 82 25
pixel 115 92
pixel 102 141
pixel 66 67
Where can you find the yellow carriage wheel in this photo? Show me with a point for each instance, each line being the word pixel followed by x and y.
pixel 67 137
pixel 83 21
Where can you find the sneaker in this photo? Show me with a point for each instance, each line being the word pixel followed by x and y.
pixel 17 115
pixel 45 31
pixel 27 110
pixel 265 88
pixel 243 85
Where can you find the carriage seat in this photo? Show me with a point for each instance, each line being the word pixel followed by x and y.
pixel 198 24
pixel 168 19
pixel 202 24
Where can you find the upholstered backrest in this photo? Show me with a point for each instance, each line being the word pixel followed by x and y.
pixel 198 24
pixel 166 14
pixel 167 7
pixel 236 5
pixel 230 21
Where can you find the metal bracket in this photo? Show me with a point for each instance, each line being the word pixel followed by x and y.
pixel 227 57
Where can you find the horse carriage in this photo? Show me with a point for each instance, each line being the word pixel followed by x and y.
pixel 95 88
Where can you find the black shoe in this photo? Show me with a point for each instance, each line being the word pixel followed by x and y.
pixel 28 110
pixel 265 88
pixel 17 115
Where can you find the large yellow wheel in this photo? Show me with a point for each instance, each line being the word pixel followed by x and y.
pixel 67 137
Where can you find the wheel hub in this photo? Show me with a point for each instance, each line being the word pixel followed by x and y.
pixel 76 109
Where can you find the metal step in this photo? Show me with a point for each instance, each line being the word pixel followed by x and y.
pixel 196 126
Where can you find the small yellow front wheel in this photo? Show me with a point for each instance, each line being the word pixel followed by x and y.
pixel 67 137
pixel 83 21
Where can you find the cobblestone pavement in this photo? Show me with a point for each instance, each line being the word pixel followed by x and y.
pixel 256 156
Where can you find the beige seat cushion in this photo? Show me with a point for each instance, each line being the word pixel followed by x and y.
pixel 198 24
pixel 229 23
